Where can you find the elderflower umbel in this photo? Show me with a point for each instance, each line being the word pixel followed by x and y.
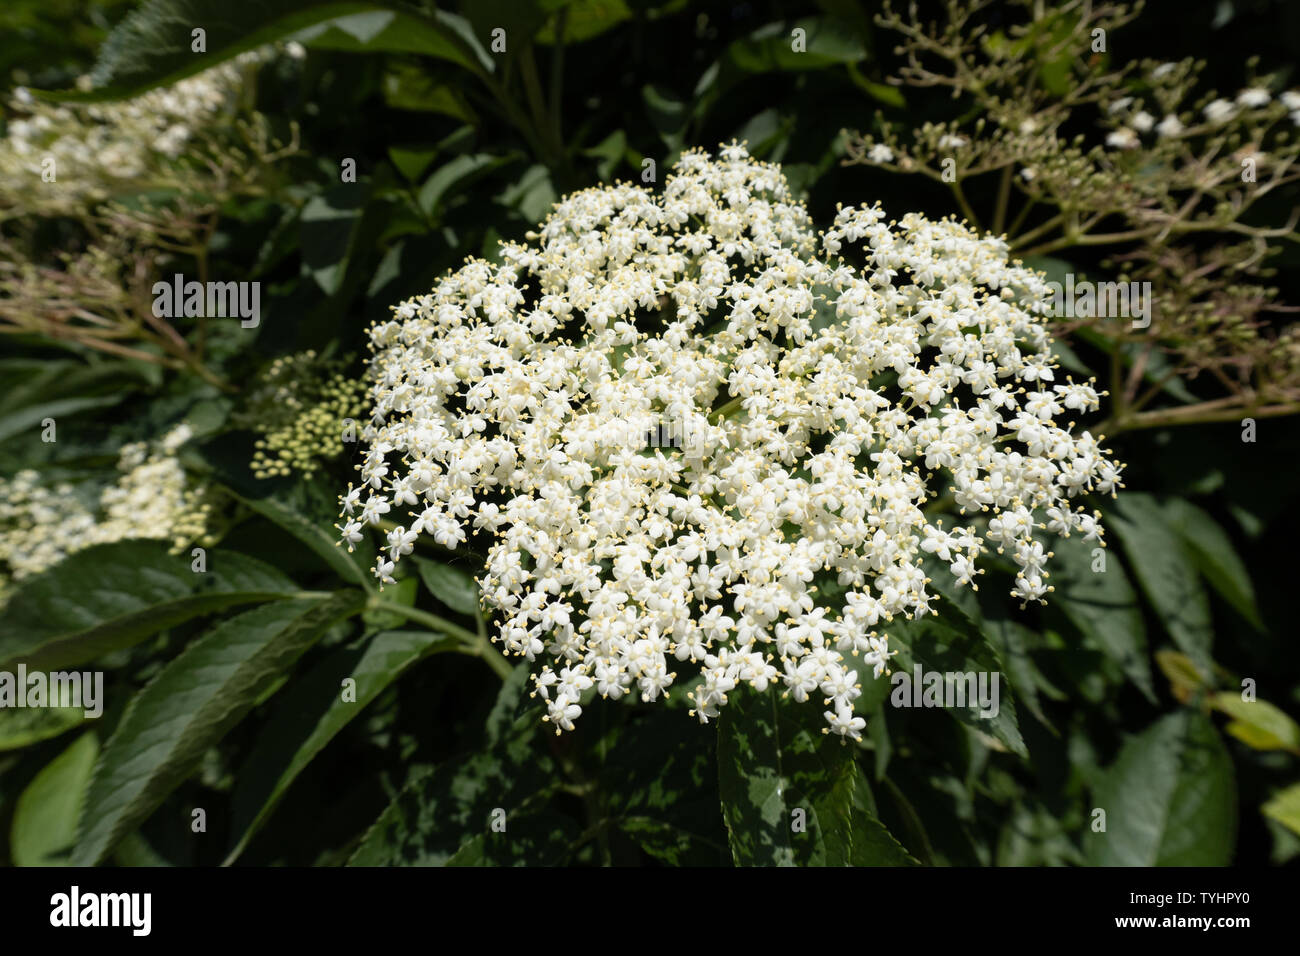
pixel 41 523
pixel 824 404
pixel 100 149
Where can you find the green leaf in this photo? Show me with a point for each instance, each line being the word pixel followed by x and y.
pixel 880 92
pixel 660 780
pixel 610 151
pixel 454 176
pixel 939 648
pixel 1170 798
pixel 305 509
pixel 330 224
pixel 190 705
pixel 1284 807
pixel 401 594
pixel 452 586
pixel 1103 606
pixel 112 596
pixel 960 609
pixel 768 134
pixel 20 726
pixel 1035 835
pixel 511 702
pixel 853 15
pixel 394 27
pixel 280 242
pixel 411 163
pixel 668 114
pixel 1185 680
pixel 520 19
pixel 826 41
pixel 21 419
pixel 442 808
pixel 312 712
pixel 778 771
pixel 153 45
pixel 1258 723
pixel 45 816
pixel 36 390
pixel 584 19
pixel 135 850
pixel 532 194
pixel 407 87
pixel 1164 567
pixel 1215 557
pixel 313 535
pixel 671 844
pixel 873 844
pixel 542 838
pixel 1012 642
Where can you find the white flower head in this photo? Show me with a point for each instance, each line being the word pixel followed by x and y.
pixel 1169 126
pixel 1254 97
pixel 527 403
pixel 880 153
pixel 1219 111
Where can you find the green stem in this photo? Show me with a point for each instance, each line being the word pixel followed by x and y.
pixel 201 261
pixel 965 205
pixel 1200 414
pixel 1019 221
pixel 517 117
pixel 553 149
pixel 1018 247
pixel 494 659
pixel 1074 238
pixel 1004 196
pixel 431 621
pixel 723 411
pixel 1118 398
pixel 487 650
pixel 475 645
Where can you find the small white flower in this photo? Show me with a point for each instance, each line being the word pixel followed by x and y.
pixel 1142 121
pixel 1169 126
pixel 1122 139
pixel 1253 97
pixel 1219 111
pixel 880 153
pixel 844 723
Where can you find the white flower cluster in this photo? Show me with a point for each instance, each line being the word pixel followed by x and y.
pixel 1217 112
pixel 41 525
pixel 98 148
pixel 829 402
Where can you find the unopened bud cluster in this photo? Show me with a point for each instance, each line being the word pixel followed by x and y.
pixel 305 410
